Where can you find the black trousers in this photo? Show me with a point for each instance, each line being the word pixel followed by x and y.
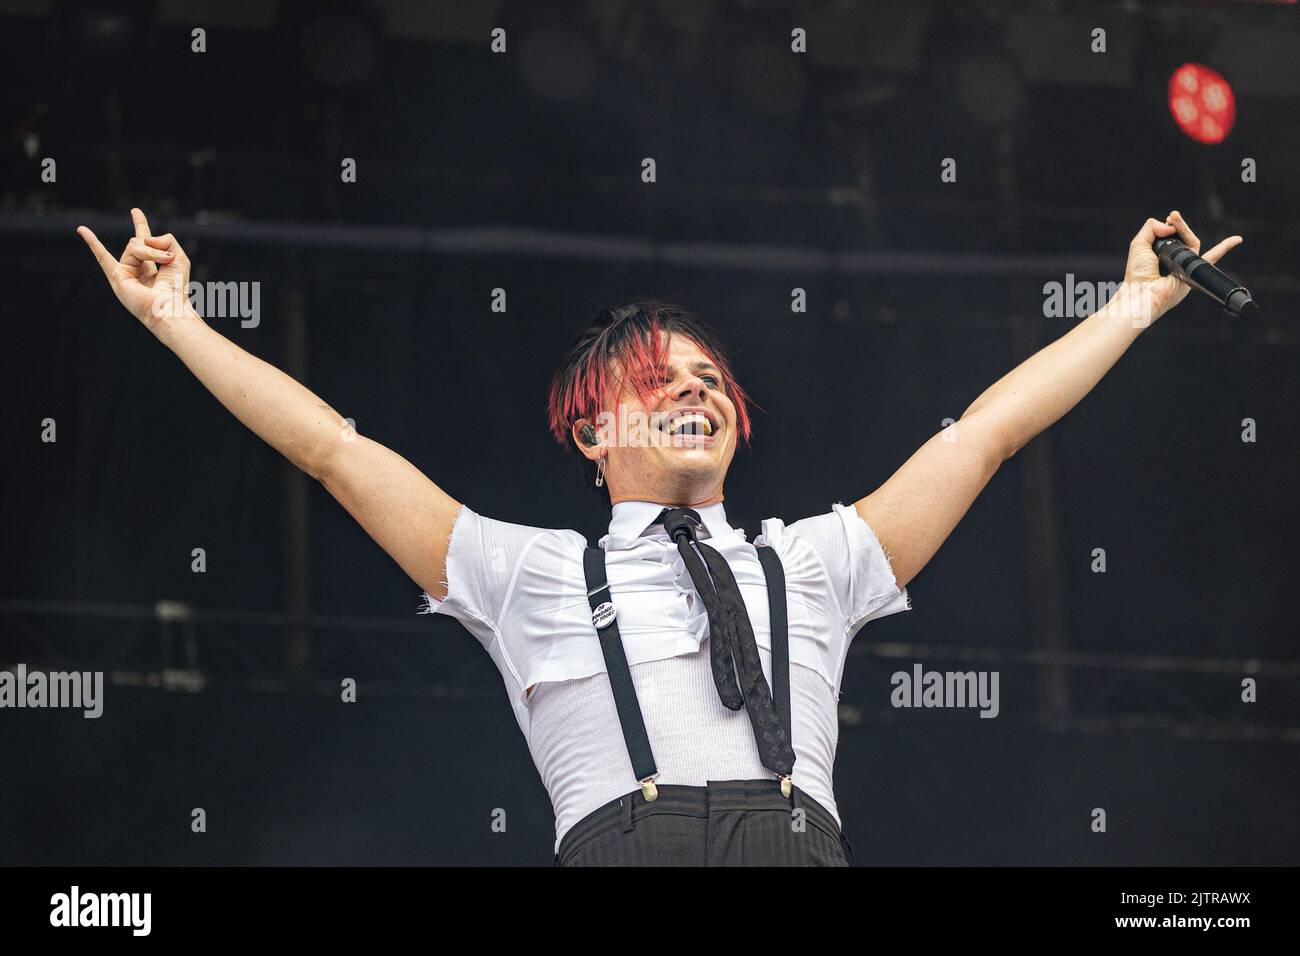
pixel 724 823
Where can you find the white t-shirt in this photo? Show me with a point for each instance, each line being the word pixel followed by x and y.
pixel 521 591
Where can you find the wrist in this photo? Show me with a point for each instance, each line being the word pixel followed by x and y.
pixel 170 330
pixel 1136 304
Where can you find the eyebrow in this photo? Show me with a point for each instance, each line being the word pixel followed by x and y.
pixel 698 366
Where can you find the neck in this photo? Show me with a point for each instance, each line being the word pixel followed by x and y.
pixel 670 490
pixel 667 498
pixel 668 504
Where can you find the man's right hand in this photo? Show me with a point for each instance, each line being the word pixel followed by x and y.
pixel 407 514
pixel 151 278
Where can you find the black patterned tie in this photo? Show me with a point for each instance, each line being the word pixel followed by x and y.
pixel 733 650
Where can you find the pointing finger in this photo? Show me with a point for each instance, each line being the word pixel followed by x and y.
pixel 102 255
pixel 141 223
pixel 148 269
pixel 1218 252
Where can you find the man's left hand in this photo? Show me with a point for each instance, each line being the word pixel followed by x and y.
pixel 1143 269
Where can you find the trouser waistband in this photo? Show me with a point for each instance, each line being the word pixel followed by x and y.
pixel 623 812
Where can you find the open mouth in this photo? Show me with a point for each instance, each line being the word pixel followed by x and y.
pixel 689 422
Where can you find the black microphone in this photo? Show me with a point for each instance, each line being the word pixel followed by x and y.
pixel 1188 267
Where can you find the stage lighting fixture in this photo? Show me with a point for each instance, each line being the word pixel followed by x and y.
pixel 1201 103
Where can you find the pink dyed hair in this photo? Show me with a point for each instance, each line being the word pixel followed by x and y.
pixel 635 337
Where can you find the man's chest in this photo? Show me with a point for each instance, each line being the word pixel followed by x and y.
pixel 660 611
pixel 545 632
pixel 653 590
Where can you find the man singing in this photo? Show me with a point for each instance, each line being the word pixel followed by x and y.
pixel 677 685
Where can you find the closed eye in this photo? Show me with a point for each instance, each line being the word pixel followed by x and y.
pixel 666 377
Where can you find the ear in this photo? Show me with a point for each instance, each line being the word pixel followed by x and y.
pixel 582 430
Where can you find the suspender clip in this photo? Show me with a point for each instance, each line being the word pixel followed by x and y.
pixel 649 790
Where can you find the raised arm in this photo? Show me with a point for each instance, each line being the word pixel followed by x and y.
pixel 914 511
pixel 407 514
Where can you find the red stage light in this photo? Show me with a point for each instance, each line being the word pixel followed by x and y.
pixel 1201 103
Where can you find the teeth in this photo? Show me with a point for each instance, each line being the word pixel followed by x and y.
pixel 700 423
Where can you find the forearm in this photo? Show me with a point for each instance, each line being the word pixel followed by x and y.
pixel 1053 380
pixel 282 412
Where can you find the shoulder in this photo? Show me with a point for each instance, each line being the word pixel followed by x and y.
pixel 840 527
pixel 489 559
pixel 840 547
pixel 471 526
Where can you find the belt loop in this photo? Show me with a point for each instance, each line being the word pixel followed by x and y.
pixel 795 802
pixel 626 804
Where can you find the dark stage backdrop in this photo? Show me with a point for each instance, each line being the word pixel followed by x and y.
pixel 378 295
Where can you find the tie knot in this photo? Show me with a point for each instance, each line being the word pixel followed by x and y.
pixel 680 523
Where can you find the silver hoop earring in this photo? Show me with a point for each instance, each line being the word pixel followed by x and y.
pixel 600 472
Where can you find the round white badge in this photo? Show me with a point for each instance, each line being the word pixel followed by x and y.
pixel 604 615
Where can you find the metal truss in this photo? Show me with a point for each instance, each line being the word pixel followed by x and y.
pixel 175 647
pixel 1110 693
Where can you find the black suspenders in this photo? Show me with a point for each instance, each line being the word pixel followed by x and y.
pixel 604 618
pixel 620 678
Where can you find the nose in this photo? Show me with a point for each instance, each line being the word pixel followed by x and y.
pixel 693 386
